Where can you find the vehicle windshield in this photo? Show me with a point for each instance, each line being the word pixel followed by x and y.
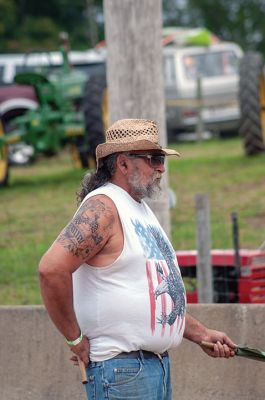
pixel 210 64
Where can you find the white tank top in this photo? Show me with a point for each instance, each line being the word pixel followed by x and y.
pixel 138 301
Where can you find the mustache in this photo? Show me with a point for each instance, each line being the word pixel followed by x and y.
pixel 157 176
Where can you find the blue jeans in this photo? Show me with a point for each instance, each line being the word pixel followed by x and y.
pixel 129 378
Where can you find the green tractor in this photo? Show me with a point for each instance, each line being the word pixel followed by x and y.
pixel 65 114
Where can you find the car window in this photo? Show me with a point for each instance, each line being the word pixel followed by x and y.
pixel 95 68
pixel 25 68
pixel 210 64
pixel 89 68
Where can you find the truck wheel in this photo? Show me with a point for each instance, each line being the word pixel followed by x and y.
pixel 252 103
pixel 3 161
pixel 95 109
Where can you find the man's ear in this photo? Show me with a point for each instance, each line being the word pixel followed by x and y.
pixel 122 163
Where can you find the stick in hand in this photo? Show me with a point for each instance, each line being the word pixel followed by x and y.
pixel 208 345
pixel 82 370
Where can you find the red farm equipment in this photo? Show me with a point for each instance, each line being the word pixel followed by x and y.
pixel 231 284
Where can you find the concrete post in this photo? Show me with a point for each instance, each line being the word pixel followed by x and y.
pixel 204 265
pixel 134 71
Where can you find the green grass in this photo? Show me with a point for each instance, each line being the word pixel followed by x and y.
pixel 41 199
pixel 232 181
pixel 34 208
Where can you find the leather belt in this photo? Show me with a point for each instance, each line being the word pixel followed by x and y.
pixel 141 353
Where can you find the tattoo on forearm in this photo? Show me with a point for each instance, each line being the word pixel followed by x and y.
pixel 84 235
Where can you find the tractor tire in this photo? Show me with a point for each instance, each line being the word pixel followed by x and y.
pixel 3 161
pixel 252 103
pixel 95 109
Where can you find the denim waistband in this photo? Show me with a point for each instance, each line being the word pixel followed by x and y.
pixel 141 353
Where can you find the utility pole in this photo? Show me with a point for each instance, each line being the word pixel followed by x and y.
pixel 93 30
pixel 133 31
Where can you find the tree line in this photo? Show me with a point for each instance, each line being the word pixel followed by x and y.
pixel 27 25
pixel 240 21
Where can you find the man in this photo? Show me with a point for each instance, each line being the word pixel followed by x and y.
pixel 111 282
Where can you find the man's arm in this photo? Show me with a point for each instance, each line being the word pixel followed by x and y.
pixel 83 238
pixel 197 332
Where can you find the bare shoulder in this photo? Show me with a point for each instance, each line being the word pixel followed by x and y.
pixel 90 228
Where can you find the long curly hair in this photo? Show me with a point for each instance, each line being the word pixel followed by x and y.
pixel 93 180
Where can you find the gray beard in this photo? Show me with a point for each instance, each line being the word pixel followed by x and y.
pixel 150 190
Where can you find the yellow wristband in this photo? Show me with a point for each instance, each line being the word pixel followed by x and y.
pixel 72 343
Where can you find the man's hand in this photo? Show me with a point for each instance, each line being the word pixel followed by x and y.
pixel 223 346
pixel 195 331
pixel 81 351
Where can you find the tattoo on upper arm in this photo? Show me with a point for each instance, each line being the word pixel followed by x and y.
pixel 84 235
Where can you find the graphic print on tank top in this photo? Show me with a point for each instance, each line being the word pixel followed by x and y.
pixel 166 289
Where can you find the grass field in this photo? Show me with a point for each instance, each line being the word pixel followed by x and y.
pixel 41 199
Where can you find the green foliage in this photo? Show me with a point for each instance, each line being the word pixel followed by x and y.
pixel 7 21
pixel 42 29
pixel 240 21
pixel 29 25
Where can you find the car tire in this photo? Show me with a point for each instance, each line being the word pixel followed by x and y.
pixel 252 103
pixel 95 109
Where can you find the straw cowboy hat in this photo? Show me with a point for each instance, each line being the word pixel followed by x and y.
pixel 131 134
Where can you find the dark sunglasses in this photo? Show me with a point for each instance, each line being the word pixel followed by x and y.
pixel 155 160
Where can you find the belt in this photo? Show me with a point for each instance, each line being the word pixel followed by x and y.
pixel 141 353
